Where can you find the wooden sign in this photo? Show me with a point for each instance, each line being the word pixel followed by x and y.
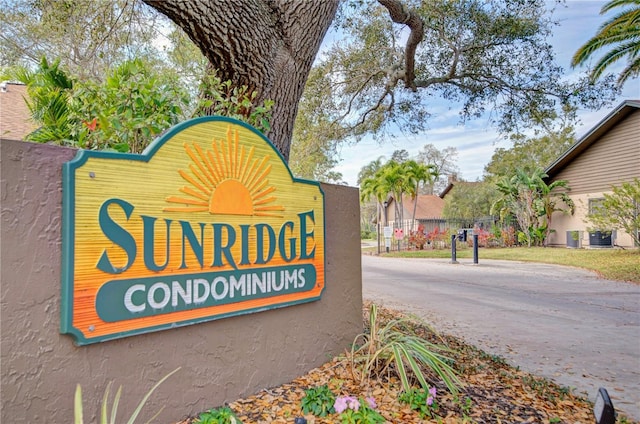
pixel 207 223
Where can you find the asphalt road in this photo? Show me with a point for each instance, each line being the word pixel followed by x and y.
pixel 559 322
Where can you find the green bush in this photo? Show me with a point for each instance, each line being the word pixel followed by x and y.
pixel 318 401
pixel 421 400
pixel 222 415
pixel 367 234
pixel 127 111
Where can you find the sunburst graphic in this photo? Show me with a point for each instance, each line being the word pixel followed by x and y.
pixel 226 180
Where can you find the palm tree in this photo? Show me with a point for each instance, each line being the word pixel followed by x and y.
pixel 397 180
pixel 517 200
pixel 418 173
pixel 551 199
pixel 391 179
pixel 622 32
pixel 532 201
pixel 370 169
pixel 376 186
pixel 49 93
pixel 372 187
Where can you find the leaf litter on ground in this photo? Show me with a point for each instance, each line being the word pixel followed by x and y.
pixel 493 392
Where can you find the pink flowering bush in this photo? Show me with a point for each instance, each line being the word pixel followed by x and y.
pixel 357 411
pixel 423 401
pixel 320 401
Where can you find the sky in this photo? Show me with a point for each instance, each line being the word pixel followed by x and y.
pixel 477 140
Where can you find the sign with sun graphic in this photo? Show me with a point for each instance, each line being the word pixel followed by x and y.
pixel 207 223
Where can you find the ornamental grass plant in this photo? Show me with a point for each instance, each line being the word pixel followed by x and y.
pixel 105 417
pixel 393 347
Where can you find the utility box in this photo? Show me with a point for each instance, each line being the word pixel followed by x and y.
pixel 574 239
pixel 465 234
pixel 601 238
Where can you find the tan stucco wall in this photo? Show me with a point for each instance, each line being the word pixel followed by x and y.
pixel 221 360
pixel 562 223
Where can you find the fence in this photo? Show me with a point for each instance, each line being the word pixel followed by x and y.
pixel 436 232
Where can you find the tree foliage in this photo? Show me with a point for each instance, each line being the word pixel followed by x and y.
pixel 469 200
pixel 532 202
pixel 314 145
pixel 127 111
pixel 620 209
pixel 537 151
pixel 48 90
pixel 132 107
pixel 370 169
pixel 443 162
pixel 527 154
pixel 124 113
pixel 89 37
pixel 393 57
pixel 621 34
pixel 485 55
pixel 389 59
pixel 93 39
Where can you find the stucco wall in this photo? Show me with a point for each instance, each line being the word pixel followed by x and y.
pixel 562 223
pixel 221 360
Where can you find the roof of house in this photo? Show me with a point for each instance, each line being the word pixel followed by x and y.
pixel 429 206
pixel 618 114
pixel 15 119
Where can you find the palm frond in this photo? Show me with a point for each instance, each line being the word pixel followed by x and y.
pixel 617 3
pixel 622 31
pixel 631 71
pixel 613 56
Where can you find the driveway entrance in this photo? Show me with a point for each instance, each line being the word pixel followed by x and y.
pixel 562 323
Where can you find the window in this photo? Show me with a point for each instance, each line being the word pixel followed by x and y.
pixel 595 205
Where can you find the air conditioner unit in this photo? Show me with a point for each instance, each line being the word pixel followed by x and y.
pixel 602 238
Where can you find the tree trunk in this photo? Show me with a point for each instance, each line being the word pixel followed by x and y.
pixel 268 45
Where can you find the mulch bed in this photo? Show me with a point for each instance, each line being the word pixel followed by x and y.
pixel 494 392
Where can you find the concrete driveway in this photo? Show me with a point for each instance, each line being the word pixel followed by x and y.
pixel 559 322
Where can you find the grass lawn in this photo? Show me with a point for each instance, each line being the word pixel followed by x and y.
pixel 613 264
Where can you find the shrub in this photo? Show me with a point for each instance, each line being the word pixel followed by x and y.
pixel 421 400
pixel 508 236
pixel 222 415
pixel 395 346
pixel 484 237
pixel 357 411
pixel 438 238
pixel 367 234
pixel 620 209
pixel 318 401
pixel 418 238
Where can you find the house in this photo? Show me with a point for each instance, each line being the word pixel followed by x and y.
pixel 15 119
pixel 608 155
pixel 428 211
